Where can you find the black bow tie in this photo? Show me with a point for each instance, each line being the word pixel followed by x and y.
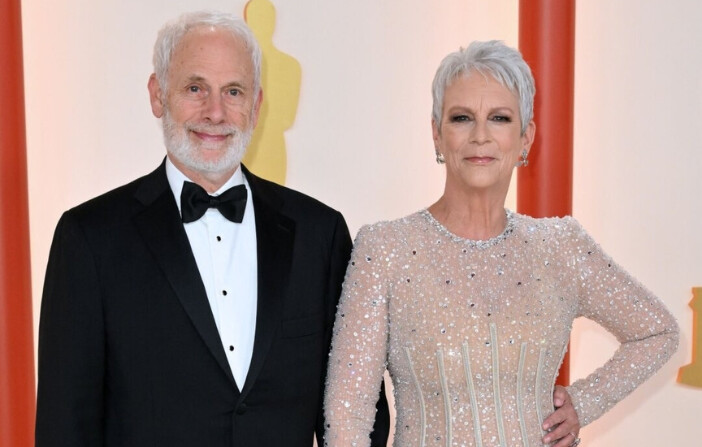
pixel 194 202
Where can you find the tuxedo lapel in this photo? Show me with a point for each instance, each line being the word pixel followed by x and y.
pixel 160 225
pixel 275 235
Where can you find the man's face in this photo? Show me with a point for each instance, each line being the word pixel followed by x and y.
pixel 209 108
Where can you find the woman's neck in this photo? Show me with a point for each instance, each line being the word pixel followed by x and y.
pixel 471 216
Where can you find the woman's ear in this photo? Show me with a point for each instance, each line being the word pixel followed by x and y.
pixel 528 136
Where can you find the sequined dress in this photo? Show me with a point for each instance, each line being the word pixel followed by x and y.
pixel 473 332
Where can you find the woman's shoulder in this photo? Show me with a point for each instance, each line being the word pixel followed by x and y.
pixel 398 229
pixel 552 227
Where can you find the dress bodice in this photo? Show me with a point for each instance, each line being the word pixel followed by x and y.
pixel 473 332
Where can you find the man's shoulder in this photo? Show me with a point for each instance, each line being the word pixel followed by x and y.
pixel 291 201
pixel 116 204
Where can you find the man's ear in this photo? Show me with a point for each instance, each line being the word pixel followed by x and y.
pixel 156 96
pixel 257 106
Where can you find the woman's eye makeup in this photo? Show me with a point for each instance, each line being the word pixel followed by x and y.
pixel 463 117
pixel 502 118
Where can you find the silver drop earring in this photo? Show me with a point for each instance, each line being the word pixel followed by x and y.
pixel 524 162
pixel 440 157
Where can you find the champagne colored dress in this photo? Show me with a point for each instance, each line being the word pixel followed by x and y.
pixel 473 332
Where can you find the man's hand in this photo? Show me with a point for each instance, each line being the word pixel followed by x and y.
pixel 563 424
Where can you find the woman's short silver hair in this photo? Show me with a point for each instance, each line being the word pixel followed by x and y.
pixel 493 58
pixel 173 32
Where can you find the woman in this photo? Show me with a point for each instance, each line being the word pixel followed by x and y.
pixel 470 306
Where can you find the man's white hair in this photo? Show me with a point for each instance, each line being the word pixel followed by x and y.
pixel 171 34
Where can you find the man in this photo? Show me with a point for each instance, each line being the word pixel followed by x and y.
pixel 168 317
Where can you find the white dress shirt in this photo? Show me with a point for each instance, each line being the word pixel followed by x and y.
pixel 226 256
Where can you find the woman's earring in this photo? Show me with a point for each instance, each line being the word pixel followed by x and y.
pixel 440 157
pixel 524 162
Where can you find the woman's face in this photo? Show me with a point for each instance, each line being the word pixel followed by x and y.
pixel 480 134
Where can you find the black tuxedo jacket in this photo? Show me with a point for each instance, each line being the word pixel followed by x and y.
pixel 129 353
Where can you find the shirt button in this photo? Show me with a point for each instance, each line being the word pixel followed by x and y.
pixel 224 292
pixel 219 238
pixel 231 348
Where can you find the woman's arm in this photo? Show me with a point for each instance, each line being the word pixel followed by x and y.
pixel 359 345
pixel 647 331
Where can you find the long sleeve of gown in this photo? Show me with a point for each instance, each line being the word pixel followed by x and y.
pixel 648 333
pixel 359 346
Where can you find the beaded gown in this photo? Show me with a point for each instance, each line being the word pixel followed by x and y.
pixel 473 332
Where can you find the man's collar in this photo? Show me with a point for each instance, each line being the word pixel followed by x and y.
pixel 176 178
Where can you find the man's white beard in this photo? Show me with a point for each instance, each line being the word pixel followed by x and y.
pixel 179 146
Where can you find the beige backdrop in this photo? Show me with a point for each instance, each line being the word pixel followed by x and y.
pixel 361 141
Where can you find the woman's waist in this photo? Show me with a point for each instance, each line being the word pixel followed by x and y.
pixel 460 422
